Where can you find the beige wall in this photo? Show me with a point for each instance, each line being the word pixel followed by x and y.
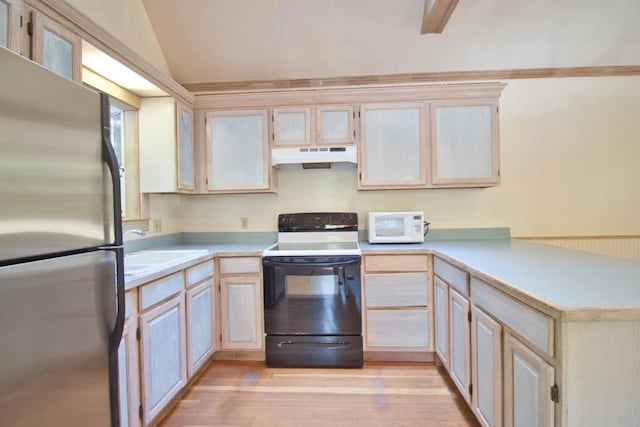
pixel 570 150
pixel 127 21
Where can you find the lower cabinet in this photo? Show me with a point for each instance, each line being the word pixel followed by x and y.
pixel 199 325
pixel 527 383
pixel 240 296
pixel 495 349
pixel 441 316
pixel 486 368
pixel 241 312
pixel 396 303
pixel 163 354
pixel 460 363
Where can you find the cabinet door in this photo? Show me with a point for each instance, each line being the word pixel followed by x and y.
pixel 291 126
pixel 185 148
pixel 459 365
pixel 486 368
pixel 56 48
pixel 442 321
pixel 129 375
pixel 238 151
pixel 334 124
pixel 527 387
pixel 199 325
pixel 465 142
pixel 241 312
pixel 164 365
pixel 392 149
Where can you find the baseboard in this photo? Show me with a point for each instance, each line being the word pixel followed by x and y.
pixel 250 355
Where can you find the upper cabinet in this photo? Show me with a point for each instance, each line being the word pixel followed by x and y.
pixel 55 47
pixel 291 126
pixel 166 146
pixel 238 157
pixel 406 136
pixel 393 146
pixel 464 141
pixel 319 125
pixel 334 124
pixel 186 161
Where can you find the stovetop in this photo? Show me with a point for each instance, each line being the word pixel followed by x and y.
pixel 312 249
pixel 316 234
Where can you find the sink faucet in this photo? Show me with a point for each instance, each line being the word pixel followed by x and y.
pixel 128 232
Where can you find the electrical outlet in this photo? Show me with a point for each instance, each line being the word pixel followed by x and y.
pixel 157 225
pixel 244 223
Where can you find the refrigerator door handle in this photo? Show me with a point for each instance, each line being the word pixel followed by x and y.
pixel 109 156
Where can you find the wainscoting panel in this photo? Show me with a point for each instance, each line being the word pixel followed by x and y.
pixel 626 247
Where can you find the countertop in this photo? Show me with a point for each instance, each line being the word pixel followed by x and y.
pixel 563 283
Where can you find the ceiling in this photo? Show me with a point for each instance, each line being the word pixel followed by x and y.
pixel 238 40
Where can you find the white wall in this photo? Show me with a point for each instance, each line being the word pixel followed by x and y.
pixel 127 21
pixel 570 150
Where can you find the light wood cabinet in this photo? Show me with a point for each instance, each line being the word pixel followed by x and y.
pixel 128 365
pixel 392 146
pixel 397 303
pixel 441 316
pixel 486 368
pixel 465 142
pixel 55 47
pixel 319 125
pixel 238 156
pixel 241 320
pixel 200 323
pixel 163 354
pixel 241 313
pixel 334 124
pixel 166 146
pixel 201 315
pixel 527 384
pixel 292 126
pixel 459 343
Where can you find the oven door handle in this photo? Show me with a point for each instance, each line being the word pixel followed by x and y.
pixel 267 261
pixel 311 345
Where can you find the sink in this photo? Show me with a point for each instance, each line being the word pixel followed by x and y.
pixel 145 262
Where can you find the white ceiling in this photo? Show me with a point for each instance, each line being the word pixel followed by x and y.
pixel 235 40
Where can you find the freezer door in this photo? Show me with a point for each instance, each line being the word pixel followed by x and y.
pixel 55 320
pixel 55 192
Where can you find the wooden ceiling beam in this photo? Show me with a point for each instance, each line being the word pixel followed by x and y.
pixel 436 15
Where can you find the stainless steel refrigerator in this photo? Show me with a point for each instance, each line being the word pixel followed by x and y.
pixel 61 269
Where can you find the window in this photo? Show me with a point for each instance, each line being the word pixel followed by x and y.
pixel 117 140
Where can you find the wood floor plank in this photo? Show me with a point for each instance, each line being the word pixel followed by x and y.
pixel 233 394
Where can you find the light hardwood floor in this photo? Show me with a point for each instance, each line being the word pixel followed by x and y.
pixel 250 394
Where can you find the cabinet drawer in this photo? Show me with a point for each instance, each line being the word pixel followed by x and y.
pixel 240 265
pixel 395 263
pixel 199 272
pixel 529 323
pixel 396 290
pixel 455 277
pixel 398 328
pixel 158 290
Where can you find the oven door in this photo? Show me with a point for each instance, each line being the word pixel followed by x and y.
pixel 317 295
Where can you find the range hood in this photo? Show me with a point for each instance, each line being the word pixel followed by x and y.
pixel 313 155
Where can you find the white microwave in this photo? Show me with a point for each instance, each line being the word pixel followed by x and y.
pixel 396 227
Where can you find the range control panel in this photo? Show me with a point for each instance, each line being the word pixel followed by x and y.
pixel 318 221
